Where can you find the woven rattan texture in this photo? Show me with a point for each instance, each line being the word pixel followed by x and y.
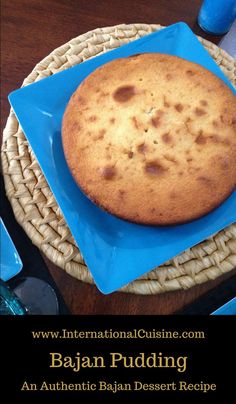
pixel 38 213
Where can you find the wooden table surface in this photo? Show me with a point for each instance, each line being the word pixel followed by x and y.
pixel 31 29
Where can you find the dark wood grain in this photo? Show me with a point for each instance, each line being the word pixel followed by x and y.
pixel 31 29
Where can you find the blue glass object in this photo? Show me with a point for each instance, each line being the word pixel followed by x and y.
pixel 30 296
pixel 116 252
pixel 217 16
pixel 10 304
pixel 37 296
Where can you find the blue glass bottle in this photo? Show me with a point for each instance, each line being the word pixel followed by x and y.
pixel 9 302
pixel 30 296
pixel 217 16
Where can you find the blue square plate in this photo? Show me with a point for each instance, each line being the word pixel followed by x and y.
pixel 228 308
pixel 115 251
pixel 10 262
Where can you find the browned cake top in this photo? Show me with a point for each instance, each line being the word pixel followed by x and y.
pixel 152 139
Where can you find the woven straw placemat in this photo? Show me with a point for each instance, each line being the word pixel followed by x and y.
pixel 38 213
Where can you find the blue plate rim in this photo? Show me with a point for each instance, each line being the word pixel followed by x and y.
pixel 20 266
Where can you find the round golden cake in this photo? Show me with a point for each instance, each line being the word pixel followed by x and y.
pixel 151 138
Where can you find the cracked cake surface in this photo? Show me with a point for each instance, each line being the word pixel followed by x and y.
pixel 151 138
